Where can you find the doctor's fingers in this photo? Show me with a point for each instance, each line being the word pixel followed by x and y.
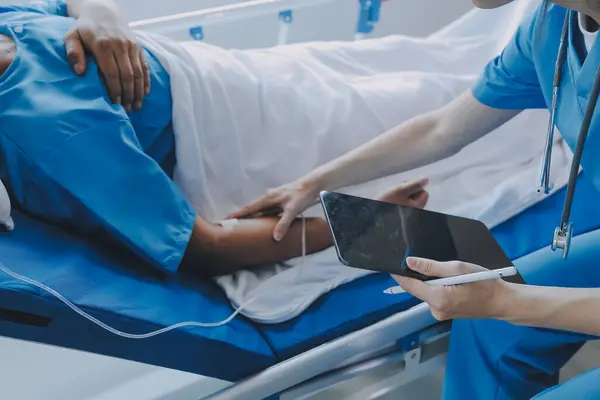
pixel 419 200
pixel 441 269
pixel 274 199
pixel 409 188
pixel 431 295
pixel 285 222
pixel 255 209
pixel 415 186
pixel 445 302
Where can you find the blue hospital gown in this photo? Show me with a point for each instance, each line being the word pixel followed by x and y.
pixel 69 156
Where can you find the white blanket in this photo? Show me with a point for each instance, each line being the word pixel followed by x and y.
pixel 246 121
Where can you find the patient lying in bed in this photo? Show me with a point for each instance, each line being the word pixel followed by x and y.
pixel 69 156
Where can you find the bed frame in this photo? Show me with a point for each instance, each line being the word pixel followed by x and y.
pixel 410 344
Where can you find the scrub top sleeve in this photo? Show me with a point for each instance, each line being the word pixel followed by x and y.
pixel 124 191
pixel 510 81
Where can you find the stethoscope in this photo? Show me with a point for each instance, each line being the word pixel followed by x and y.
pixel 564 232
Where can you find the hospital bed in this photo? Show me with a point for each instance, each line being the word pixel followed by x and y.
pixel 353 330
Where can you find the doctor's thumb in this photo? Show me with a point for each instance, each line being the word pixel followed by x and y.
pixel 75 52
pixel 422 266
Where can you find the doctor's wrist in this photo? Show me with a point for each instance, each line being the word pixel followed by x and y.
pixel 313 183
pixel 514 304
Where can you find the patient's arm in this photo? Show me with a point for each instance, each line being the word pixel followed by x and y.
pixel 215 250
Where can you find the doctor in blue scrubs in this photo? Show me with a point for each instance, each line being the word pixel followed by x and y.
pixel 508 341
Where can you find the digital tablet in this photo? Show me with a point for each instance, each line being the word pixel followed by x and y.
pixel 379 236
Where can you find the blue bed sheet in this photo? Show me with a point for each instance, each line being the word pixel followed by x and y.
pixel 361 303
pixel 118 289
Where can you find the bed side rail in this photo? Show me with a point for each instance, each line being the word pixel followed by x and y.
pixel 193 22
pixel 343 353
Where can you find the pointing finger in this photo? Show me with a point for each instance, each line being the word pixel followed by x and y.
pixel 440 269
pixel 283 225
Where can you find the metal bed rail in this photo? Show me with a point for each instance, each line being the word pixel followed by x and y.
pixel 346 357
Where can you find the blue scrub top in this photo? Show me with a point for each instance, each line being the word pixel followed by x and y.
pixel 69 156
pixel 522 77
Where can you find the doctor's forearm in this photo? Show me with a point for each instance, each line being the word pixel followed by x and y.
pixel 76 7
pixel 420 141
pixel 576 310
pixel 407 146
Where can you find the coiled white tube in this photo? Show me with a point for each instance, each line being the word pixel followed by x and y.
pixel 143 335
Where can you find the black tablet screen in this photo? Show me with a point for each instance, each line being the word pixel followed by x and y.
pixel 379 236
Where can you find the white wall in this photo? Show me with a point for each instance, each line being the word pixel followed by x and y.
pixel 31 372
pixel 333 21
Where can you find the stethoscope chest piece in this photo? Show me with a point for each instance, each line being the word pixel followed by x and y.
pixel 563 234
pixel 562 239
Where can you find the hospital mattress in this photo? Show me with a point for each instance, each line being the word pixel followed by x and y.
pixel 120 290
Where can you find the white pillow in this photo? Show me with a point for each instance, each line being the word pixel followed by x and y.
pixel 5 219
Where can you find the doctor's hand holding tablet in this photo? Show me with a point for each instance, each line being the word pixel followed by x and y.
pixel 470 278
pixel 477 299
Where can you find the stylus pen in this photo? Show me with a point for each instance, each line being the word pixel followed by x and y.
pixel 461 279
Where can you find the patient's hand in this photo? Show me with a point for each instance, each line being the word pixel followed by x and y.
pixel 100 30
pixel 411 193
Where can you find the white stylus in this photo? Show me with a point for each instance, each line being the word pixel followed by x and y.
pixel 461 279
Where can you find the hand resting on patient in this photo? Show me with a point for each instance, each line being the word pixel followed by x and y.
pixel 215 250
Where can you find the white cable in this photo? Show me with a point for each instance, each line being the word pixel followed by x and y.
pixel 303 239
pixel 149 334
